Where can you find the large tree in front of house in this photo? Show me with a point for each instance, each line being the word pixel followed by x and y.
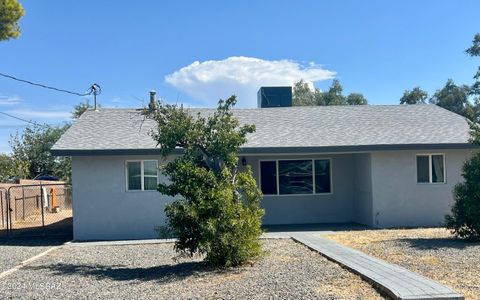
pixel 216 211
pixel 414 96
pixel 464 220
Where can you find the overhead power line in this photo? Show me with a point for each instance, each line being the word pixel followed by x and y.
pixel 18 118
pixel 94 89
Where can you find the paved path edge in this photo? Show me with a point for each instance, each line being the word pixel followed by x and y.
pixel 376 284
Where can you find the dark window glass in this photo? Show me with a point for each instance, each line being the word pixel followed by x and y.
pixel 295 177
pixel 268 175
pixel 134 175
pixel 322 176
pixel 423 173
pixel 438 170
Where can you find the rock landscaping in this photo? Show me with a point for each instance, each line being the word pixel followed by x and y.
pixel 14 251
pixel 288 270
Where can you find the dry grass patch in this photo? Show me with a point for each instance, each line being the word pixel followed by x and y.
pixel 347 286
pixel 432 252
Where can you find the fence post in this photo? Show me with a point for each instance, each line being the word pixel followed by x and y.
pixel 42 205
pixel 23 203
pixel 15 202
pixel 1 208
pixel 8 212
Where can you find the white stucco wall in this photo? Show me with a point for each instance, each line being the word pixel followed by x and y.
pixel 398 200
pixel 376 189
pixel 103 209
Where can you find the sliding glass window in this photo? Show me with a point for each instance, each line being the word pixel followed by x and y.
pixel 295 177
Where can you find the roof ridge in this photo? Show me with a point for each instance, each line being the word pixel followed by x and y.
pixel 286 107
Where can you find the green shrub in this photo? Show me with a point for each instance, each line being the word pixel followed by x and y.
pixel 464 220
pixel 218 212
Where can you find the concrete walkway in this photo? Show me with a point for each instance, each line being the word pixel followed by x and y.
pixel 395 281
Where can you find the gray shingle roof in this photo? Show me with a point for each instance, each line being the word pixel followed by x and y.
pixel 320 127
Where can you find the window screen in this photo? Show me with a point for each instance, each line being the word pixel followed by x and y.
pixel 268 174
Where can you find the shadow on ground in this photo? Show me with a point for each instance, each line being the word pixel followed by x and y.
pixel 35 241
pixel 163 273
pixel 38 235
pixel 438 243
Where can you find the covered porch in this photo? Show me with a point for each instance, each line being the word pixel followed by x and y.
pixel 314 188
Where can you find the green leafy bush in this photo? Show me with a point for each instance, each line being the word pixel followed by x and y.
pixel 218 212
pixel 464 221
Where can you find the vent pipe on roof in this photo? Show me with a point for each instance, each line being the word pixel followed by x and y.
pixel 153 100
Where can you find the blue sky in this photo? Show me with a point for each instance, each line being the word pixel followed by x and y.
pixel 195 52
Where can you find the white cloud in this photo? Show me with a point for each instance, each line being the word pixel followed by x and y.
pixel 9 100
pixel 243 76
pixel 28 113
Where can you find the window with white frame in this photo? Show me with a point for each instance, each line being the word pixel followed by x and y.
pixel 299 176
pixel 430 168
pixel 142 175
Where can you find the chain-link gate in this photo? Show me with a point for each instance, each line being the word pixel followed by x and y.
pixel 3 213
pixel 32 210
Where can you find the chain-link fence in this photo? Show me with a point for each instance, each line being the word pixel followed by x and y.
pixel 37 210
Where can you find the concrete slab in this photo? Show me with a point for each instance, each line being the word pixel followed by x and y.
pixel 393 280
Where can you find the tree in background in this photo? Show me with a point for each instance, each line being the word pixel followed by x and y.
pixel 304 96
pixel 10 13
pixel 454 98
pixel 474 51
pixel 31 153
pixel 7 168
pixel 415 96
pixel 219 212
pixel 356 99
pixel 334 95
pixel 80 108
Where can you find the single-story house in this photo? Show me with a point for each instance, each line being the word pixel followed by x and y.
pixel 378 165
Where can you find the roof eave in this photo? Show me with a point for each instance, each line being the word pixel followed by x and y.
pixel 272 150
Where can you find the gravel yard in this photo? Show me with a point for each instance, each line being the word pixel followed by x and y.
pixel 432 252
pixel 288 270
pixel 14 251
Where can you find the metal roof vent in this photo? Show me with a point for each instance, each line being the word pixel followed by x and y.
pixel 152 105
